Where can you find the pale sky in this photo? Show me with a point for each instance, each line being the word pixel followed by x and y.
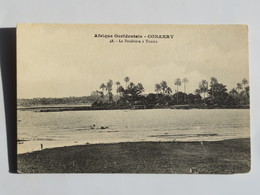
pixel 66 60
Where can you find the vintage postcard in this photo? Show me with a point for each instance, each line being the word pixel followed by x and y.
pixel 103 98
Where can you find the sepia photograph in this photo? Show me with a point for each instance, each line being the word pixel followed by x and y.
pixel 133 98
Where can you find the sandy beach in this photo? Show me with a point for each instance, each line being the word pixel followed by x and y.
pixel 218 157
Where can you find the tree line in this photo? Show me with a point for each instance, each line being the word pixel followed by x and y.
pixel 54 101
pixel 212 93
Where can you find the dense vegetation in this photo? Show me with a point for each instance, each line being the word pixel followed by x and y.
pixel 53 101
pixel 209 94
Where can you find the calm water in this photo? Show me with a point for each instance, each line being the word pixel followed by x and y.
pixel 55 129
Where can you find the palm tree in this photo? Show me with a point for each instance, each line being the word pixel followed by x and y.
pixel 234 93
pixel 177 83
pixel 168 90
pixel 213 82
pixel 140 87
pixel 245 82
pixel 203 87
pixel 109 89
pixel 126 79
pixel 164 86
pixel 239 87
pixel 131 85
pixel 197 92
pixel 102 87
pixel 247 89
pixel 158 88
pixel 101 94
pixel 120 90
pixel 117 84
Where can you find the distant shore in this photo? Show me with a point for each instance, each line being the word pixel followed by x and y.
pixel 57 108
pixel 208 157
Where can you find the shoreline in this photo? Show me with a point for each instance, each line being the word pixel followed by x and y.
pixel 207 157
pixel 89 108
pixel 20 141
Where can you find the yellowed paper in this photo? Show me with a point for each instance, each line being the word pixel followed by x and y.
pixel 109 98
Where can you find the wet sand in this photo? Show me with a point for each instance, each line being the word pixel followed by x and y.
pixel 218 157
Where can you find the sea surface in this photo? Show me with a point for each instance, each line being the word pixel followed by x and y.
pixel 57 129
